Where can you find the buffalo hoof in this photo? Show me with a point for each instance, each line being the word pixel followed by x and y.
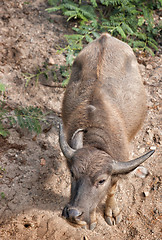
pixel 92 226
pixel 113 220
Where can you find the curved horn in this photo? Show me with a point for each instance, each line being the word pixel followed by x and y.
pixel 66 149
pixel 126 167
pixel 77 139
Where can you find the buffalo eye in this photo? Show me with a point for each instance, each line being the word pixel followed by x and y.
pixel 72 174
pixel 101 181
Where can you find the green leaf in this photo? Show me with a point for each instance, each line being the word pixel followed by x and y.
pixel 76 29
pixel 137 44
pixel 20 121
pixel 141 35
pixel 3 132
pixel 95 34
pixel 120 31
pixel 29 118
pixel 70 5
pixel 149 50
pixel 70 58
pixel 152 45
pixel 105 2
pixel 88 12
pixel 88 38
pixel 65 82
pixel 81 16
pixel 53 2
pixel 2 87
pixel 54 9
pixel 71 14
pixel 127 28
pixel 74 37
pixel 12 120
pixel 141 21
pixel 2 195
pixel 94 3
pixel 65 74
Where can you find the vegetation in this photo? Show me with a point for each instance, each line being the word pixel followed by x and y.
pixel 40 72
pixel 47 73
pixel 2 87
pixel 2 195
pixel 29 118
pixel 131 21
pixel 2 170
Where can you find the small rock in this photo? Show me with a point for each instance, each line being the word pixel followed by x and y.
pixel 43 162
pixel 140 172
pixel 149 67
pixel 51 61
pixel 156 211
pixel 61 154
pixel 153 148
pixel 84 238
pixel 146 194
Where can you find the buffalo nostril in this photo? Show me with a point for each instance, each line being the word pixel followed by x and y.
pixel 74 213
pixel 71 213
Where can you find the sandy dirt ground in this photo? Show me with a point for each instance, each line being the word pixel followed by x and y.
pixel 34 180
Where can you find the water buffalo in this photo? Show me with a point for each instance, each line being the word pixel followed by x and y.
pixel 103 108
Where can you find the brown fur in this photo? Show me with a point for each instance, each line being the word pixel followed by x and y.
pixel 105 74
pixel 105 97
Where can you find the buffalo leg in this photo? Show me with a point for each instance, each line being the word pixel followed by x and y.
pixel 93 220
pixel 112 212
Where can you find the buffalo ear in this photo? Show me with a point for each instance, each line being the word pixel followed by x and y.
pixel 91 108
pixel 126 167
pixel 77 139
pixel 66 149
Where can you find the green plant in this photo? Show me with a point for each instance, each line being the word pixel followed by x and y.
pixel 2 169
pixel 25 117
pixel 3 113
pixel 2 195
pixel 29 118
pixel 74 10
pixel 2 87
pixel 133 21
pixel 45 73
pixel 130 20
pixel 51 73
pixel 65 72
pixel 28 76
